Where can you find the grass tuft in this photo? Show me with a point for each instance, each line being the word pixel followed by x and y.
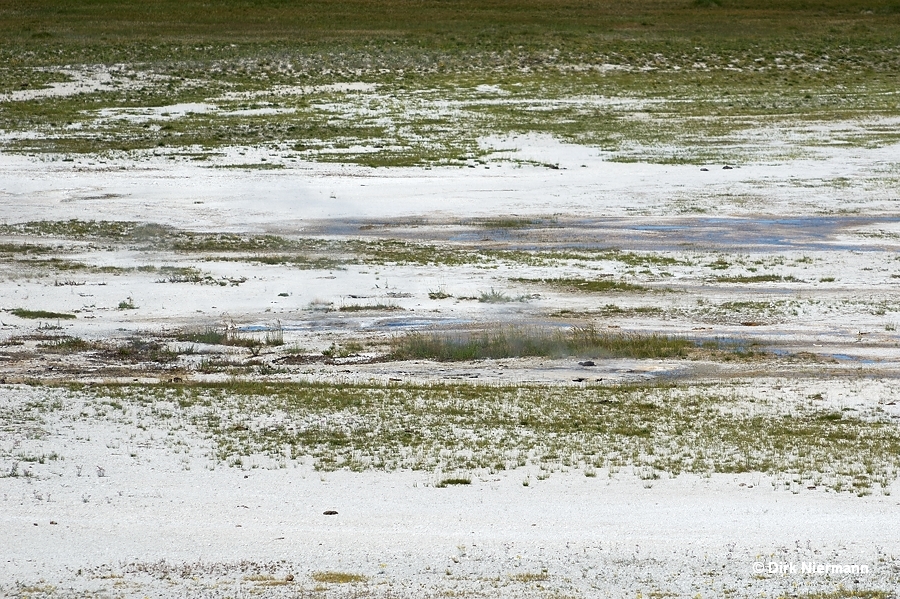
pixel 69 344
pixel 454 480
pixel 494 297
pixel 514 342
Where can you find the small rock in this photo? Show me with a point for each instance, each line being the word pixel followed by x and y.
pixel 704 169
pixel 727 168
pixel 53 522
pixel 330 512
pixel 289 578
pixel 587 363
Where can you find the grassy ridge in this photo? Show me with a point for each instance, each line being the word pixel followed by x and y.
pixel 488 21
pixel 540 32
pixel 743 65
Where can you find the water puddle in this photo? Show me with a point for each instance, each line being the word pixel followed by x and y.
pixel 751 234
pixel 413 323
pixel 814 233
pixel 854 359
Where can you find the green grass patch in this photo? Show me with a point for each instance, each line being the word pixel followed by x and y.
pixel 37 314
pixel 206 335
pixel 588 285
pixel 12 248
pixel 74 229
pixel 506 223
pixel 230 242
pixel 511 342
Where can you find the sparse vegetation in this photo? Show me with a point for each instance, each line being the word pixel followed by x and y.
pixel 68 344
pixel 530 577
pixel 758 279
pixel 590 286
pixel 843 593
pixel 330 577
pixel 369 308
pixel 272 335
pixel 140 350
pixel 654 428
pixel 342 351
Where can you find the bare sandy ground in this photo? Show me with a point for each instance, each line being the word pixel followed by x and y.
pixel 584 185
pixel 124 511
pixel 158 523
